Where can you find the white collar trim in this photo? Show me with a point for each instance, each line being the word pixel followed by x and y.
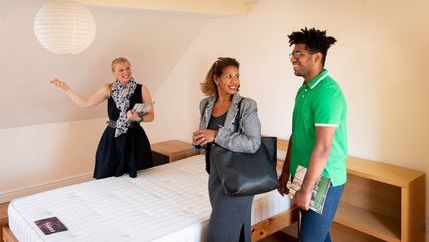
pixel 320 79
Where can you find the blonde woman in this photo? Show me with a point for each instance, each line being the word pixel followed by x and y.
pixel 124 146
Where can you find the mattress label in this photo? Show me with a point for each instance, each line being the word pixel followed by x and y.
pixel 50 225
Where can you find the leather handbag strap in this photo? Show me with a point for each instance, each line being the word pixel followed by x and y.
pixel 237 117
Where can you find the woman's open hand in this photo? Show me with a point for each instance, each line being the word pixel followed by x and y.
pixel 60 84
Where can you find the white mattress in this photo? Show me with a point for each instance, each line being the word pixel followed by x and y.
pixel 164 203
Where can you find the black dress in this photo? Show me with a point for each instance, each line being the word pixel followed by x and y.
pixel 126 153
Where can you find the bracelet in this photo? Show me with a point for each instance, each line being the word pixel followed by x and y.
pixel 141 116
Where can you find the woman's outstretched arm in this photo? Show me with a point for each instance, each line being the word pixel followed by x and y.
pixel 96 98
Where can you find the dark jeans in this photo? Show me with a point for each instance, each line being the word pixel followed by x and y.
pixel 315 227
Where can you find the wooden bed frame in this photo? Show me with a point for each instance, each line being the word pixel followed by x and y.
pixel 260 230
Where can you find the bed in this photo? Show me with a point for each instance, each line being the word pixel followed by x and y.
pixel 167 203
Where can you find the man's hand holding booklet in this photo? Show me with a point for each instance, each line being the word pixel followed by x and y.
pixel 319 193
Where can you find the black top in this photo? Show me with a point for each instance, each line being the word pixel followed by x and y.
pixel 214 124
pixel 114 112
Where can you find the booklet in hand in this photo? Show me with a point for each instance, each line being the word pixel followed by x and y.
pixel 50 225
pixel 142 108
pixel 320 189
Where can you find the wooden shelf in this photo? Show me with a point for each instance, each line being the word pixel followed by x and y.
pixel 384 201
pixel 382 172
pixel 341 233
pixel 374 224
pixel 381 202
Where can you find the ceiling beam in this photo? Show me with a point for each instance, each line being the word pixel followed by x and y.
pixel 211 7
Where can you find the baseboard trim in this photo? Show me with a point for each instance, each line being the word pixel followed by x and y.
pixel 7 196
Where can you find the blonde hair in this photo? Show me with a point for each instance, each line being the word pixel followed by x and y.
pixel 208 87
pixel 119 60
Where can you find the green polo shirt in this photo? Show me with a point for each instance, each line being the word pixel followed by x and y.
pixel 320 102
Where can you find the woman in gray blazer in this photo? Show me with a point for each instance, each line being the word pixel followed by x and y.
pixel 232 122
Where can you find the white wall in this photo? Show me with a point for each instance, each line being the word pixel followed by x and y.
pixel 37 157
pixel 379 61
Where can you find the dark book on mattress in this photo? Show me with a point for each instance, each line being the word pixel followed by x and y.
pixel 50 225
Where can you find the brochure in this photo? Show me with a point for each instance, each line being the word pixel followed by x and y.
pixel 142 108
pixel 319 193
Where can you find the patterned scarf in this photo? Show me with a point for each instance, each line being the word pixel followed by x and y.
pixel 121 95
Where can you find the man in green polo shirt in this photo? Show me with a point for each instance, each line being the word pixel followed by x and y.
pixel 319 133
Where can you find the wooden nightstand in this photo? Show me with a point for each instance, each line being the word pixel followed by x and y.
pixel 171 150
pixel 3 219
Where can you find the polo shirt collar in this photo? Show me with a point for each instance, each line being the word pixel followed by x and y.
pixel 311 84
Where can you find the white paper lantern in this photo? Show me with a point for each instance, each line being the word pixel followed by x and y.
pixel 64 27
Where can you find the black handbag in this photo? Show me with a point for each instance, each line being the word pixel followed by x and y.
pixel 244 174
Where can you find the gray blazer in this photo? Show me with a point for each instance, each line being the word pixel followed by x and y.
pixel 247 138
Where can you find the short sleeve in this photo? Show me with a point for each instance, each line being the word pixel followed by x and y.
pixel 329 108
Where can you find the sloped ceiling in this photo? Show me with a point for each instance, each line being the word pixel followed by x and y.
pixel 215 7
pixel 152 36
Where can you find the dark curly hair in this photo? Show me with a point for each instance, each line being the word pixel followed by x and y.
pixel 314 40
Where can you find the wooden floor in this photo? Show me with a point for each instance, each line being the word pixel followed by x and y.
pixel 279 237
pixel 288 234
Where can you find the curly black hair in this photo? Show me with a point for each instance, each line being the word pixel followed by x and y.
pixel 314 40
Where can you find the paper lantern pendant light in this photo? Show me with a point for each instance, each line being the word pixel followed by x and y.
pixel 64 27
